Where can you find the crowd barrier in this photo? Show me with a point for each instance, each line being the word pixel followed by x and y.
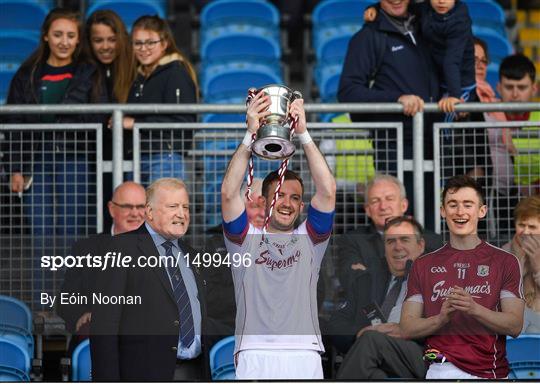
pixel 199 153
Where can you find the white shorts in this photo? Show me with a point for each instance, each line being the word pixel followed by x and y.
pixel 281 364
pixel 446 370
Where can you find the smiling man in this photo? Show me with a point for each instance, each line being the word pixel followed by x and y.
pixel 378 350
pixel 465 297
pixel 160 338
pixel 277 329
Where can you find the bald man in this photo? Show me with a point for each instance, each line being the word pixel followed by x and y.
pixel 127 209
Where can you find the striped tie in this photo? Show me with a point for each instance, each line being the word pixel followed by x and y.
pixel 187 330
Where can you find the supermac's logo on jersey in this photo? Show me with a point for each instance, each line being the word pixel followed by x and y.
pixel 483 270
pixel 438 269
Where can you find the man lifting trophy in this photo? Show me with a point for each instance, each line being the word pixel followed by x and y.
pixel 277 329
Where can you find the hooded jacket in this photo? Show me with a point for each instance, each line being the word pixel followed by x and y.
pixel 169 83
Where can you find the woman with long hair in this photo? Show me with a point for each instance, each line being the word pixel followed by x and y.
pixel 107 42
pixel 164 75
pixel 50 169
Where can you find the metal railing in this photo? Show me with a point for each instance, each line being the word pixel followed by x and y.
pixel 195 156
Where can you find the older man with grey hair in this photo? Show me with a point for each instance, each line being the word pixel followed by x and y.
pixel 363 248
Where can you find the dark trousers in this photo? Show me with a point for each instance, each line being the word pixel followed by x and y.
pixel 375 355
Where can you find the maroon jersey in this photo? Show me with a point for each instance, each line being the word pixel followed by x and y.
pixel 488 274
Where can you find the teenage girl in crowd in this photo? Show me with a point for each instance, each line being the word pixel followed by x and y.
pixel 55 73
pixel 164 75
pixel 50 169
pixel 107 43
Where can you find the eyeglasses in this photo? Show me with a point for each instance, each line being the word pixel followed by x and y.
pixel 478 61
pixel 129 207
pixel 150 44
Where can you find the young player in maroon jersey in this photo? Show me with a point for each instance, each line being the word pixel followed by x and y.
pixel 465 297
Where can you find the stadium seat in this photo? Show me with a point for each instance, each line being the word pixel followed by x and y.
pixel 327 78
pixel 334 23
pixel 499 47
pixel 22 14
pixel 232 80
pixel 81 362
pixel 523 354
pixel 252 44
pixel 228 12
pixel 222 359
pixel 129 10
pixel 16 322
pixel 14 362
pixel 487 14
pixel 16 45
pixel 331 13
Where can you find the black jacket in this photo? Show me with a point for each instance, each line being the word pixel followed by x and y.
pixel 450 41
pixel 81 280
pixel 406 69
pixel 24 91
pixel 138 342
pixel 169 83
pixel 365 245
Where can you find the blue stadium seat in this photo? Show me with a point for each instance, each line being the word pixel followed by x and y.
pixel 232 80
pixel 252 44
pixel 16 45
pixel 251 12
pixel 523 354
pixel 222 359
pixel 334 23
pixel 327 79
pixel 487 14
pixel 16 321
pixel 499 47
pixel 14 362
pixel 129 10
pixel 332 48
pixel 81 363
pixel 22 14
pixel 332 13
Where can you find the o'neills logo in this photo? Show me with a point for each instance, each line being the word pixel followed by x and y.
pixel 265 258
pixel 473 290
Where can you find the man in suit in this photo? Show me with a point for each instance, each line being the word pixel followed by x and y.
pixel 363 248
pixel 127 211
pixel 155 333
pixel 378 348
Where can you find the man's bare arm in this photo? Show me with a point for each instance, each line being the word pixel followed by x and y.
pixel 325 185
pixel 414 326
pixel 508 321
pixel 232 204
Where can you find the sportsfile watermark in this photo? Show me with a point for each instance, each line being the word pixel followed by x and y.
pixel 119 260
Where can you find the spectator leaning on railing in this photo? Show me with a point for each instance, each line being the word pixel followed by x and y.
pixel 164 75
pixel 55 73
pixel 526 246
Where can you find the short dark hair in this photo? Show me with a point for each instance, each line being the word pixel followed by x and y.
pixel 274 176
pixel 516 67
pixel 398 220
pixel 462 181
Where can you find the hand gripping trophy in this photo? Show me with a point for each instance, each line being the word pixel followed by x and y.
pixel 273 140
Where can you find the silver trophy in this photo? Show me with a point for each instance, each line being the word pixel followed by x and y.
pixel 273 137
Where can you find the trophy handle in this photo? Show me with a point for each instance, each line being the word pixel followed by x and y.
pixel 297 95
